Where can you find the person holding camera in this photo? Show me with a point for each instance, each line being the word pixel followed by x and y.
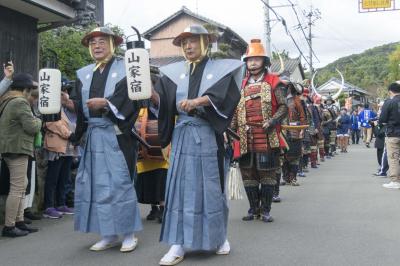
pixel 390 117
pixel 7 80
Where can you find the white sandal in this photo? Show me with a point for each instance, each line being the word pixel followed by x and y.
pixel 174 261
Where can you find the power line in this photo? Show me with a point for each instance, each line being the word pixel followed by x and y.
pixel 302 30
pixel 283 21
pixel 310 15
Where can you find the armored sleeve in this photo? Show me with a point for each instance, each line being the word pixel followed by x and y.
pixel 282 109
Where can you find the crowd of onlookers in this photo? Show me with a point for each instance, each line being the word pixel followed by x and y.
pixel 37 159
pixel 384 125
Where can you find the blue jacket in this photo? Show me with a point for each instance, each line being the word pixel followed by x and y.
pixel 344 124
pixel 354 122
pixel 365 116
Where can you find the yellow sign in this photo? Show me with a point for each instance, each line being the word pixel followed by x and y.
pixel 371 4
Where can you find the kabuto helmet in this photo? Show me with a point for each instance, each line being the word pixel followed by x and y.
pixel 194 30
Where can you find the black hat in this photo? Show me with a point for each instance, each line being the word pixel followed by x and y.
pixel 394 87
pixel 23 81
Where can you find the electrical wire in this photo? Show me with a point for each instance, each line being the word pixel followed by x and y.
pixel 302 30
pixel 283 21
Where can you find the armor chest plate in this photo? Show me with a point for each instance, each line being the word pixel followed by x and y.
pixel 294 116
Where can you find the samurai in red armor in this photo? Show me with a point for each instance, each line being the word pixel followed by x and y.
pixel 294 136
pixel 257 121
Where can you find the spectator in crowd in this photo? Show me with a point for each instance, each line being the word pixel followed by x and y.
pixel 31 172
pixel 60 153
pixel 343 131
pixel 381 153
pixel 384 165
pixel 365 116
pixel 30 191
pixel 390 117
pixel 379 133
pixel 360 108
pixel 355 129
pixel 7 80
pixel 18 127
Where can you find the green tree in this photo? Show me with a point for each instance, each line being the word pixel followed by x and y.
pixel 284 54
pixel 394 65
pixel 382 92
pixel 342 99
pixel 223 48
pixel 368 70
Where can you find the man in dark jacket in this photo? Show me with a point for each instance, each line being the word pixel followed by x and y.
pixel 390 117
pixel 355 129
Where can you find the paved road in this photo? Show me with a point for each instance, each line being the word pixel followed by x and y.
pixel 340 215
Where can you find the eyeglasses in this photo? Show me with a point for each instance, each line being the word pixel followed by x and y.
pixel 99 43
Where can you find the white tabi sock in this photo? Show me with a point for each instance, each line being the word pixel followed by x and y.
pixel 224 249
pixel 129 240
pixel 174 252
pixel 106 240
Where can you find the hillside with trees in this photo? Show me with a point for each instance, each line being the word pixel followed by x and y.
pixel 371 70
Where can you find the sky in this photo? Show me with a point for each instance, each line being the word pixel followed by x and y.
pixel 340 31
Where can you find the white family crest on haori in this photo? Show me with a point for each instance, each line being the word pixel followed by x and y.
pixel 49 91
pixel 137 66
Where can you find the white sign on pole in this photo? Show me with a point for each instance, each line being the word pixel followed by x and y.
pixel 49 91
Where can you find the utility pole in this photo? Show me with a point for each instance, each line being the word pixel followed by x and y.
pixel 309 15
pixel 312 16
pixel 267 28
pixel 267 24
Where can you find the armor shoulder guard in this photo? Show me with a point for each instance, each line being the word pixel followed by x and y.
pixel 273 80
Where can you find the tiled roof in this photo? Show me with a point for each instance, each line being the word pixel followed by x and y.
pixel 184 10
pixel 163 61
pixel 290 65
pixel 347 87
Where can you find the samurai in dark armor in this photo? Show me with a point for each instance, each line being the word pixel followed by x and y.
pixel 296 117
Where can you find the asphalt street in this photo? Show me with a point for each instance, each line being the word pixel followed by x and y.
pixel 340 215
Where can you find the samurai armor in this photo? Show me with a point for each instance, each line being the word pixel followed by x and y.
pixel 262 161
pixel 294 151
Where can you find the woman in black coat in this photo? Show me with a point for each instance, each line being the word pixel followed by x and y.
pixel 379 133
